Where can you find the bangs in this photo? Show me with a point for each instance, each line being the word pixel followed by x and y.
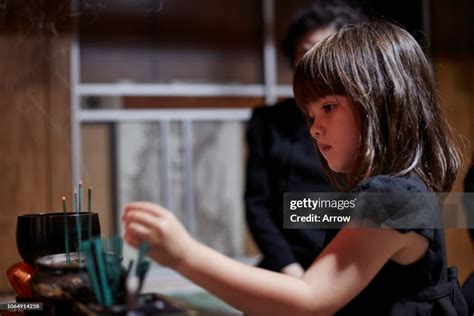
pixel 317 76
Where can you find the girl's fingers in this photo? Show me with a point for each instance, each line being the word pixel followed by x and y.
pixel 140 232
pixel 131 240
pixel 143 218
pixel 147 207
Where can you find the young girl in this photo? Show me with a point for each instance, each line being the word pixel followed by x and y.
pixel 369 94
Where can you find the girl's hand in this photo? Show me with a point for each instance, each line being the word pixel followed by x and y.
pixel 169 241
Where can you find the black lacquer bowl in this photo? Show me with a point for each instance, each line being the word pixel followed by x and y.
pixel 42 234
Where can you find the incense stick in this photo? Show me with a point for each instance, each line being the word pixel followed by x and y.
pixel 91 269
pixel 79 204
pixel 78 228
pixel 89 210
pixel 97 246
pixel 144 247
pixel 66 232
pixel 142 264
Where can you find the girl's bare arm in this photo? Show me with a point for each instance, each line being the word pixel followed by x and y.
pixel 344 268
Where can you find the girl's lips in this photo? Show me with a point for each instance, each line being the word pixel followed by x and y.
pixel 324 148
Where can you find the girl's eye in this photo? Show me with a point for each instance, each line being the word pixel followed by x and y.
pixel 310 120
pixel 328 107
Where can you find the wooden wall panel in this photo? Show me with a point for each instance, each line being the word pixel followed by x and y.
pixel 96 172
pixel 34 119
pixel 458 102
pixel 453 58
pixel 23 143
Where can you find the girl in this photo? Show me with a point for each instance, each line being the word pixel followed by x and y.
pixel 369 94
pixel 282 157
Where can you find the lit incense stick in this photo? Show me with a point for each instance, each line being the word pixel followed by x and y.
pixel 66 232
pixel 79 204
pixel 89 209
pixel 78 228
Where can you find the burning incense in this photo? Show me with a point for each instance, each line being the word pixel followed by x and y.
pixel 89 210
pixel 78 227
pixel 79 204
pixel 66 232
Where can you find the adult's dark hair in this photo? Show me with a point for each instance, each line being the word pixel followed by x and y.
pixel 320 15
pixel 385 73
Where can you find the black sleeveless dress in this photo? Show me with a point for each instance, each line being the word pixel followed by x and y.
pixel 425 287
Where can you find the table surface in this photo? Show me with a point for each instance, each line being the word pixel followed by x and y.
pixel 196 303
pixel 177 290
pixel 202 304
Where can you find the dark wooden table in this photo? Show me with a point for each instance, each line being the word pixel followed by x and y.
pixel 201 303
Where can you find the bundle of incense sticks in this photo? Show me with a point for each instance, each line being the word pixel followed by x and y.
pixel 102 269
pixel 103 261
pixel 103 257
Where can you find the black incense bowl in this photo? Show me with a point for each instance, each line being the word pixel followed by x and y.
pixel 38 235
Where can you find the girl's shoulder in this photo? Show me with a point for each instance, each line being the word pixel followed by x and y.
pixel 392 184
pixel 403 203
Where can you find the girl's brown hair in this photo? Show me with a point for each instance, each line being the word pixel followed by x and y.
pixel 383 70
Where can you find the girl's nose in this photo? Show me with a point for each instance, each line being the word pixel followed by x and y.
pixel 316 130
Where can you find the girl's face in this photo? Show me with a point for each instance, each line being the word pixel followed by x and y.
pixel 334 127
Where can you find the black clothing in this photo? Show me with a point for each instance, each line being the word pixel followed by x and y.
pixel 469 202
pixel 469 180
pixel 468 286
pixel 282 158
pixel 468 292
pixel 425 287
